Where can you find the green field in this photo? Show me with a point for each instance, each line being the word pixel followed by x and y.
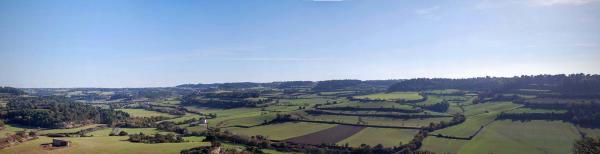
pixel 144 113
pixel 477 115
pixel 282 131
pixel 107 131
pixel 371 105
pixel 392 96
pixel 591 132
pixel 489 107
pixel 523 137
pixel 108 144
pixel 532 110
pixel 71 130
pixel 442 145
pixel 379 121
pixel 10 129
pixel 388 137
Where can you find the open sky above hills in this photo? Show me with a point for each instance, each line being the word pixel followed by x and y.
pixel 146 43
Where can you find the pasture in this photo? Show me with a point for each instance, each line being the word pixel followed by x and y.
pixel 523 137
pixel 145 113
pixel 379 121
pixel 106 144
pixel 391 96
pixel 388 137
pixel 442 145
pixel 70 130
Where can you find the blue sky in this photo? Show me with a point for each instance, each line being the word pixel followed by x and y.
pixel 149 43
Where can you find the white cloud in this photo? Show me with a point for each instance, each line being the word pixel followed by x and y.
pixel 561 2
pixel 429 13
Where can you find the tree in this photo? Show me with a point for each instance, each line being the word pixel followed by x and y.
pixel 587 146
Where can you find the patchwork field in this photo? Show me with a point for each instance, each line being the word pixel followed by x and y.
pixel 388 137
pixel 380 121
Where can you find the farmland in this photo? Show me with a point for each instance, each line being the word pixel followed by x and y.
pixel 327 136
pixel 144 113
pixel 392 96
pixel 534 137
pixel 302 120
pixel 386 136
pixel 282 131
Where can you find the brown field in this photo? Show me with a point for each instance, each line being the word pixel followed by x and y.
pixel 328 136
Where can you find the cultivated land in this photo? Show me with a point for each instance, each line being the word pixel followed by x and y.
pixel 282 131
pixel 327 136
pixel 530 119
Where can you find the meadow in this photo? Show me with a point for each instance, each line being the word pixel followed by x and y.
pixel 524 137
pixel 388 137
pixel 145 113
pixel 391 96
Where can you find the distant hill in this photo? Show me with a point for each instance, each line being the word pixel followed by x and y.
pixel 11 90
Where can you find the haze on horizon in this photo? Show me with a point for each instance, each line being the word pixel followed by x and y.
pixel 152 43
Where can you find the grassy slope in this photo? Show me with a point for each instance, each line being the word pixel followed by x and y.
pixel 144 113
pixel 524 137
pixel 385 136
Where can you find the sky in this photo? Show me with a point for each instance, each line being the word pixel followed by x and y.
pixel 159 43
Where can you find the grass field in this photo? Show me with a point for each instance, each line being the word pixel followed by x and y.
pixel 591 132
pixel 223 115
pixel 10 129
pixel 144 113
pixel 371 105
pixel 187 116
pixel 282 131
pixel 107 131
pixel 523 137
pixel 442 145
pixel 392 96
pixel 470 126
pixel 380 121
pixel 71 130
pixel 388 137
pixel 532 110
pixel 489 107
pixel 108 144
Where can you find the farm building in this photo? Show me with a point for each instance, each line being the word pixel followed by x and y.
pixel 60 143
pixel 202 121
